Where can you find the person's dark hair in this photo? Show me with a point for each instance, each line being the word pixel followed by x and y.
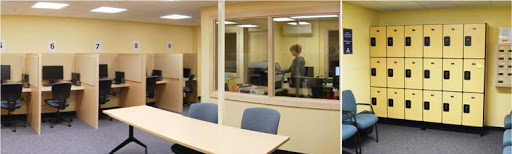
pixel 297 48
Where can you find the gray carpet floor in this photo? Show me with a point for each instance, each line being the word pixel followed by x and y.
pixel 395 139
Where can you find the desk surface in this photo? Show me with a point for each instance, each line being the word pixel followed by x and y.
pixel 161 82
pixel 120 85
pixel 73 87
pixel 26 90
pixel 196 134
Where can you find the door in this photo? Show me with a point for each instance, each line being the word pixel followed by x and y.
pixel 378 101
pixel 474 73
pixel 395 41
pixel 473 109
pixel 413 73
pixel 413 105
pixel 452 41
pixel 395 72
pixel 452 108
pixel 395 103
pixel 377 41
pixel 432 74
pixel 474 40
pixel 378 72
pixel 432 41
pixel 452 74
pixel 414 41
pixel 432 106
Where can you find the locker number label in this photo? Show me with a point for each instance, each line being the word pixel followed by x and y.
pixel 2 45
pixel 97 46
pixel 52 46
pixel 136 45
pixel 169 46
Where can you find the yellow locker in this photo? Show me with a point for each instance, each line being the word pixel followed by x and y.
pixel 413 105
pixel 377 41
pixel 473 109
pixel 452 41
pixel 396 103
pixel 379 96
pixel 413 73
pixel 432 106
pixel 452 74
pixel 378 72
pixel 474 73
pixel 432 74
pixel 395 41
pixel 474 40
pixel 414 41
pixel 395 72
pixel 432 41
pixel 452 108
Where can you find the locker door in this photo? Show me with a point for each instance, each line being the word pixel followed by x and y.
pixel 379 100
pixel 395 41
pixel 378 41
pixel 378 72
pixel 472 109
pixel 432 106
pixel 474 40
pixel 414 41
pixel 413 73
pixel 395 72
pixel 413 105
pixel 395 103
pixel 452 74
pixel 452 108
pixel 473 75
pixel 432 41
pixel 432 74
pixel 452 41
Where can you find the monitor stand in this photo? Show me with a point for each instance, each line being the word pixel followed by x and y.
pixel 50 84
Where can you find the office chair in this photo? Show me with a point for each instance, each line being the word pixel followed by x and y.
pixel 11 95
pixel 363 120
pixel 189 87
pixel 105 87
pixel 507 138
pixel 507 150
pixel 261 120
pixel 60 94
pixel 150 88
pixel 350 129
pixel 508 121
pixel 201 111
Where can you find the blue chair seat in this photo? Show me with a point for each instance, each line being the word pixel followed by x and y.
pixel 348 131
pixel 55 104
pixel 187 90
pixel 5 105
pixel 508 122
pixel 366 120
pixel 107 98
pixel 507 150
pixel 507 138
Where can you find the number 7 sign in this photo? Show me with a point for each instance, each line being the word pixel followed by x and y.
pixel 97 46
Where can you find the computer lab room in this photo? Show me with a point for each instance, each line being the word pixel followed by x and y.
pixel 427 77
pixel 156 77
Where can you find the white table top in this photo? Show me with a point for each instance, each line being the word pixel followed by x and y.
pixel 161 82
pixel 73 87
pixel 196 134
pixel 120 85
pixel 26 90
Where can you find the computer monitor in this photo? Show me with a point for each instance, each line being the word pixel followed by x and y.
pixel 6 72
pixel 186 72
pixel 337 70
pixel 103 70
pixel 119 77
pixel 52 73
pixel 157 73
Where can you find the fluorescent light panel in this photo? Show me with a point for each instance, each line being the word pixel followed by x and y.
pixel 46 5
pixel 105 9
pixel 282 19
pixel 314 16
pixel 175 16
pixel 246 25
pixel 228 22
pixel 300 23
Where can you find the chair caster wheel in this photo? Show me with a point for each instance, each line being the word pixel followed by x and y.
pixel 69 125
pixel 71 120
pixel 110 119
pixel 13 130
pixel 25 126
pixel 51 126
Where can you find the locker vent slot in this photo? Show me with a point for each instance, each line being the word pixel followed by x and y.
pixel 467 40
pixel 446 74
pixel 427 41
pixel 408 104
pixel 390 102
pixel 407 41
pixel 446 41
pixel 466 108
pixel 500 81
pixel 502 51
pixel 509 74
pixel 374 101
pixel 408 73
pixel 374 72
pixel 373 42
pixel 467 75
pixel 446 107
pixel 390 41
pixel 426 105
pixel 500 66
pixel 427 74
pixel 500 73
pixel 501 58
pixel 390 72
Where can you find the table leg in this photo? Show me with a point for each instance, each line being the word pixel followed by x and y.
pixel 130 139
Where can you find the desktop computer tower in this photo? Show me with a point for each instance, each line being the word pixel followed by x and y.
pixel 26 84
pixel 75 79
pixel 119 77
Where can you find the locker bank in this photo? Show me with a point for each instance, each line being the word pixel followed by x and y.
pixel 427 77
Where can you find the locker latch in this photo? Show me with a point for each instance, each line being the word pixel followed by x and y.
pixel 466 108
pixel 407 41
pixel 427 41
pixel 446 107
pixel 390 72
pixel 390 41
pixel 374 72
pixel 446 74
pixel 467 40
pixel 373 42
pixel 446 41
pixel 374 101
pixel 408 104
pixel 467 75
pixel 390 102
pixel 426 105
pixel 408 73
pixel 427 74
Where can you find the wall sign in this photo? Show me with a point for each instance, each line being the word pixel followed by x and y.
pixel 169 46
pixel 136 45
pixel 347 41
pixel 97 46
pixel 2 45
pixel 52 46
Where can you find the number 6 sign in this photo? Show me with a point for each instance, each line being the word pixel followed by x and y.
pixel 52 46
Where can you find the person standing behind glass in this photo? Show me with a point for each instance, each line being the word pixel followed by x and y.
pixel 298 67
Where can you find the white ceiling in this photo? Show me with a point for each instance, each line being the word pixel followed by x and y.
pixel 140 11
pixel 410 5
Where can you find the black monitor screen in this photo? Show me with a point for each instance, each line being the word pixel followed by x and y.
pixel 53 72
pixel 6 72
pixel 103 70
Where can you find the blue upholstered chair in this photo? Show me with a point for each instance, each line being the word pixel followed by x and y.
pixel 507 150
pixel 261 120
pixel 11 95
pixel 508 121
pixel 60 95
pixel 363 120
pixel 349 129
pixel 507 138
pixel 201 111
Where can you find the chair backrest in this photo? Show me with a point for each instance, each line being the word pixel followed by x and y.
pixel 348 102
pixel 204 111
pixel 151 85
pixel 190 81
pixel 61 92
pixel 105 87
pixel 261 119
pixel 11 92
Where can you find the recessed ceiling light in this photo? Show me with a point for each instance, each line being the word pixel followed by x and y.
pixel 46 5
pixel 175 16
pixel 246 25
pixel 105 9
pixel 300 23
pixel 282 19
pixel 314 16
pixel 228 22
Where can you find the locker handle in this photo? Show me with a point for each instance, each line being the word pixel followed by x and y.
pixel 426 105
pixel 373 42
pixel 427 74
pixel 390 72
pixel 374 101
pixel 374 72
pixel 427 41
pixel 408 104
pixel 446 41
pixel 408 73
pixel 446 74
pixel 390 102
pixel 407 41
pixel 390 41
pixel 467 40
pixel 466 108
pixel 446 107
pixel 467 75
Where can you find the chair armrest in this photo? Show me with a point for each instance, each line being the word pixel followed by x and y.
pixel 366 104
pixel 351 115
